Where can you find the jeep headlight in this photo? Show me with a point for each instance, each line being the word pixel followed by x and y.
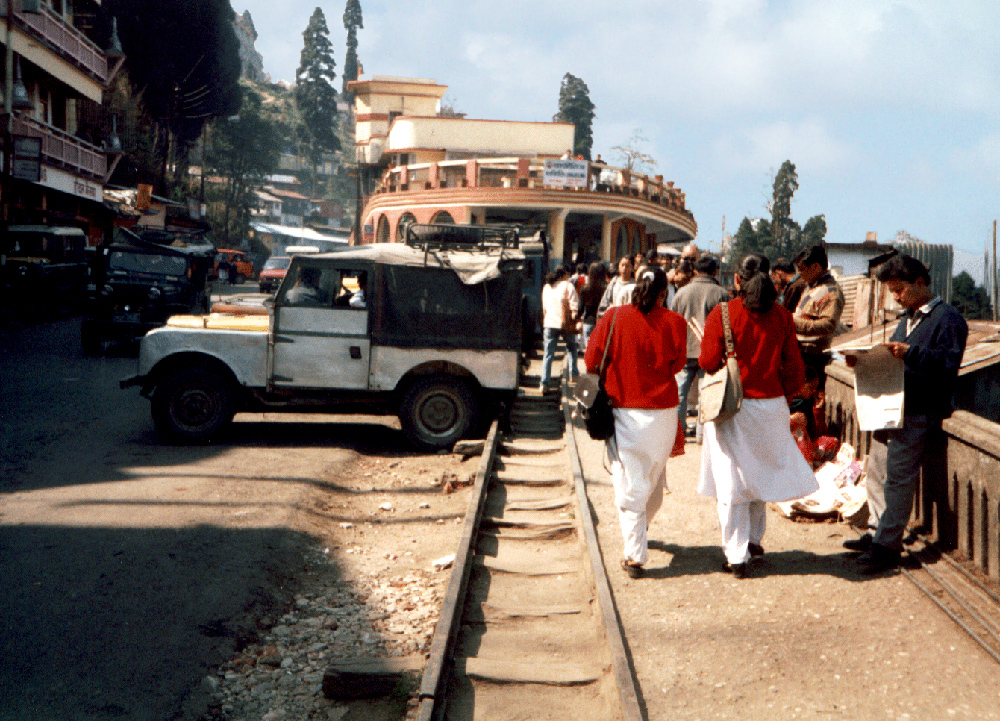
pixel 107 290
pixel 154 294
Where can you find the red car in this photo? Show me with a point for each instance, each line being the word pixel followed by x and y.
pixel 273 273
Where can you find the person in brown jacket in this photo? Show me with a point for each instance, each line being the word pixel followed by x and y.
pixel 817 315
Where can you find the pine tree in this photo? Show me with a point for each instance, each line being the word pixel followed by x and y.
pixel 783 228
pixel 352 21
pixel 576 107
pixel 315 93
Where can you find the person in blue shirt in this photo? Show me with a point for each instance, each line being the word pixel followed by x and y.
pixel 930 340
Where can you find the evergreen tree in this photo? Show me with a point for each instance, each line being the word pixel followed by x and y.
pixel 783 228
pixel 969 299
pixel 352 21
pixel 814 231
pixel 575 107
pixel 315 93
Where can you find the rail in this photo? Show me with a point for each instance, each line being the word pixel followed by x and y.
pixel 528 628
pixel 67 40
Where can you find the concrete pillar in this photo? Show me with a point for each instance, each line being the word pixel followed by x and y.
pixel 471 173
pixel 606 240
pixel 557 236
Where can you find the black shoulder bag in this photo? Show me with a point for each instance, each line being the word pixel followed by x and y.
pixel 592 402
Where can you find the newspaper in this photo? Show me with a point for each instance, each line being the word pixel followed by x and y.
pixel 878 387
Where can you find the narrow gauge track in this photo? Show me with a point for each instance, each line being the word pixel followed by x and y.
pixel 972 605
pixel 528 629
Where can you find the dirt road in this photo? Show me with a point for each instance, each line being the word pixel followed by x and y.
pixel 132 569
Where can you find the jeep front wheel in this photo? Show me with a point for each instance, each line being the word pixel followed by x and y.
pixel 436 412
pixel 192 403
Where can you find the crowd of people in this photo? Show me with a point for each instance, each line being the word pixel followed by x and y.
pixel 661 321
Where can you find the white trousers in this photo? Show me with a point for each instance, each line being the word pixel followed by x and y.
pixel 641 446
pixel 742 524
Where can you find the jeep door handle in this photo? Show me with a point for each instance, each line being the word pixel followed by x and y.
pixel 355 352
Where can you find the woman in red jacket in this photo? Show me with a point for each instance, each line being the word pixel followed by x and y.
pixel 752 458
pixel 648 348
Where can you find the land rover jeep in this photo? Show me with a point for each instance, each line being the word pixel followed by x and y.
pixel 430 331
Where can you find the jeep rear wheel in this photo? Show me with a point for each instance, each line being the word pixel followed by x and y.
pixel 436 412
pixel 192 403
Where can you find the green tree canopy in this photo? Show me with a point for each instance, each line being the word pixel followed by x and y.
pixel 315 93
pixel 352 21
pixel 245 150
pixel 782 236
pixel 576 107
pixel 182 56
pixel 969 299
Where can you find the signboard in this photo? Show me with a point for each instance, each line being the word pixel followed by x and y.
pixel 565 173
pixel 369 232
pixel 27 161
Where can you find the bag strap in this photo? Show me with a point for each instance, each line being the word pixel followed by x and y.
pixel 727 328
pixel 607 344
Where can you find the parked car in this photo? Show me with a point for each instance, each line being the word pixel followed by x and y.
pixel 144 279
pixel 232 266
pixel 43 268
pixel 273 273
pixel 431 332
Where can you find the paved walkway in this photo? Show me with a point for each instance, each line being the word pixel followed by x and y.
pixel 805 637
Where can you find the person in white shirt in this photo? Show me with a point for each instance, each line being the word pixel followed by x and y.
pixel 560 311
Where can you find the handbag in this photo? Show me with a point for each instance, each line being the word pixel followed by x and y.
pixel 721 392
pixel 592 402
pixel 570 324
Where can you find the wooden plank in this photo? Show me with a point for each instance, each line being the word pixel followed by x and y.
pixel 535 568
pixel 487 613
pixel 511 671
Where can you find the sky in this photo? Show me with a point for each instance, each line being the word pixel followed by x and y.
pixel 889 109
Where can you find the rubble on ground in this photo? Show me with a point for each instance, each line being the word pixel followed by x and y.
pixel 841 494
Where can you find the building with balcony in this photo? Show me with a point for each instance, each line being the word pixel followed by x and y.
pixel 59 75
pixel 432 168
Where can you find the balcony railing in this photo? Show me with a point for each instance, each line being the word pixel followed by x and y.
pixel 69 42
pixel 62 150
pixel 517 173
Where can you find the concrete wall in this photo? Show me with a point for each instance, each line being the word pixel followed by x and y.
pixel 484 137
pixel 958 502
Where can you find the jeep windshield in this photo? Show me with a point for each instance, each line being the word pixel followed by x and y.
pixel 150 263
pixel 278 263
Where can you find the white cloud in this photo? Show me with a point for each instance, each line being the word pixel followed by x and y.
pixel 808 144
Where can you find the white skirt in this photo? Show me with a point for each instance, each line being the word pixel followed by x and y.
pixel 753 456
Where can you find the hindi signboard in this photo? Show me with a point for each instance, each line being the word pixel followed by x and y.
pixel 565 173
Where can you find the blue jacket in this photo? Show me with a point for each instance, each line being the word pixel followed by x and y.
pixel 931 364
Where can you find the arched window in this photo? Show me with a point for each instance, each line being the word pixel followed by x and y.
pixel 382 234
pixel 401 226
pixel 443 218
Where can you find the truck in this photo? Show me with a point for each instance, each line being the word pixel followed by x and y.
pixel 140 280
pixel 429 330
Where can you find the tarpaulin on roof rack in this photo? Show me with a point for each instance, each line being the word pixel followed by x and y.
pixel 431 307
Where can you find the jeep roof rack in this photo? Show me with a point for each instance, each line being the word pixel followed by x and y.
pixel 438 236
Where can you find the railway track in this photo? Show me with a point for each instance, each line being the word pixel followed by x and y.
pixel 528 629
pixel 970 603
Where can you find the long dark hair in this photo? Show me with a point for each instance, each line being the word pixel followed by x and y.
pixel 596 275
pixel 648 285
pixel 756 287
pixel 556 275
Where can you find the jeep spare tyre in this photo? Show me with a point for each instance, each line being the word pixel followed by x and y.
pixel 191 403
pixel 436 412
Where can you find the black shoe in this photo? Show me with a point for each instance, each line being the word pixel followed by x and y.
pixel 739 570
pixel 878 559
pixel 755 549
pixel 634 570
pixel 862 544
